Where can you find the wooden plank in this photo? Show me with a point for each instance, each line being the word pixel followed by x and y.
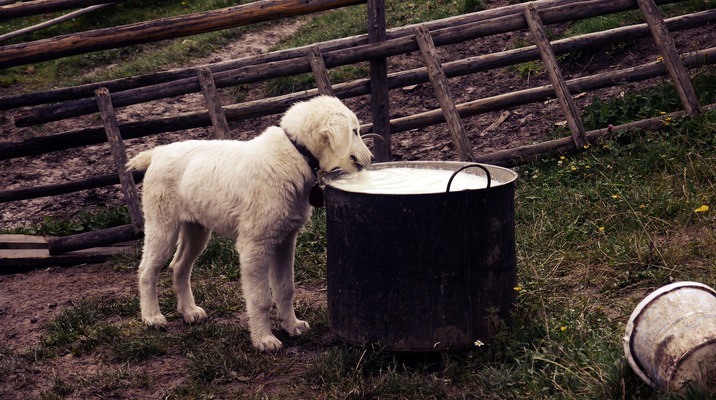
pixel 13 259
pixel 160 29
pixel 379 99
pixel 116 146
pixel 213 104
pixel 442 91
pixel 320 73
pixel 555 76
pixel 670 54
pixel 36 7
pixel 55 189
pixel 102 237
pixel 9 241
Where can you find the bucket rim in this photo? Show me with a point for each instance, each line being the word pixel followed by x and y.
pixel 629 330
pixel 452 166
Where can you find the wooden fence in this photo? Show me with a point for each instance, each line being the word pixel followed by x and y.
pixel 375 47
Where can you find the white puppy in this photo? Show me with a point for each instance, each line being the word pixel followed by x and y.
pixel 255 192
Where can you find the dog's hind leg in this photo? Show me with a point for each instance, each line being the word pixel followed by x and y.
pixel 281 279
pixel 255 286
pixel 192 241
pixel 158 243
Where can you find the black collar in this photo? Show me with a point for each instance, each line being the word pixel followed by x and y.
pixel 307 155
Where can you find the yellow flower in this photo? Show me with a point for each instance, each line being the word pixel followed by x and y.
pixel 662 112
pixel 660 58
pixel 586 146
pixel 702 209
pixel 562 328
pixel 518 288
pixel 562 157
pixel 601 229
pixel 615 196
pixel 642 206
pixel 574 168
pixel 478 343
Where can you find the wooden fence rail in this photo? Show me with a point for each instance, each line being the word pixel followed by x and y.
pixel 156 30
pixel 473 19
pixel 236 112
pixel 35 7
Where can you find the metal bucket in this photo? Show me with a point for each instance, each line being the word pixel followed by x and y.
pixel 670 339
pixel 421 272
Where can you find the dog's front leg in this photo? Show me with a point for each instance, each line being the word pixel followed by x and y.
pixel 281 279
pixel 255 286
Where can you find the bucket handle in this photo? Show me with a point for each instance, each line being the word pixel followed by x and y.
pixel 376 136
pixel 489 178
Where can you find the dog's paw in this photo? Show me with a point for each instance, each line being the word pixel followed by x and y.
pixel 268 344
pixel 155 320
pixel 194 315
pixel 296 328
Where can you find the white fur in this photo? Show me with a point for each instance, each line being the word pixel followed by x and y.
pixel 255 192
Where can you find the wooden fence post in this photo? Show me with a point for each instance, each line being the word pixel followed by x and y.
pixel 668 52
pixel 379 99
pixel 320 73
pixel 116 146
pixel 439 82
pixel 555 76
pixel 211 97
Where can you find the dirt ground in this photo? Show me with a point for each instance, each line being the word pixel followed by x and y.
pixel 29 300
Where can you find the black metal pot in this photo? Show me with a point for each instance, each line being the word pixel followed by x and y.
pixel 421 272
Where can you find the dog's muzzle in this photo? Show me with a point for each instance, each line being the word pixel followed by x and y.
pixel 360 165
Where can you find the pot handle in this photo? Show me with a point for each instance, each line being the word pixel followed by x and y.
pixel 487 172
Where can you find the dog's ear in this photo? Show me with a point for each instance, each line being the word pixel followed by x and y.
pixel 340 135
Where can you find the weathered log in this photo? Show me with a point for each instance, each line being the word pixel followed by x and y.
pixel 670 54
pixel 52 22
pixel 15 260
pixel 254 73
pixel 529 153
pixel 64 188
pixel 320 73
pixel 95 135
pixel 103 237
pixel 116 85
pixel 119 155
pixel 442 92
pixel 35 7
pixel 165 28
pixel 518 55
pixel 555 76
pixel 213 104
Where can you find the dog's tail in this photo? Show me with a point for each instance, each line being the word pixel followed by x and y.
pixel 140 161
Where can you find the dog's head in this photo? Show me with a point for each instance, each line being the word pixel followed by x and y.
pixel 330 131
